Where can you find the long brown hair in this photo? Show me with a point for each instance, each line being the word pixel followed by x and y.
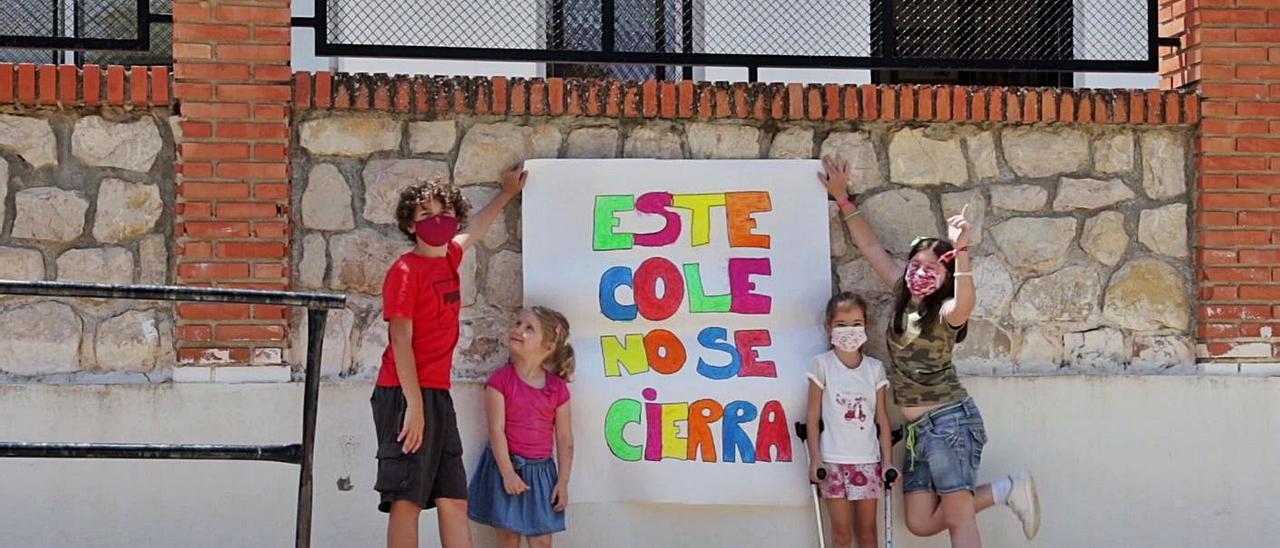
pixel 931 305
pixel 556 329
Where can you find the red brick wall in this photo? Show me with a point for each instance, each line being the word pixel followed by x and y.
pixel 1231 58
pixel 232 84
pixel 705 100
pixel 66 86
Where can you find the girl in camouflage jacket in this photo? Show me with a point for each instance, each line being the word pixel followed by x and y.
pixel 934 295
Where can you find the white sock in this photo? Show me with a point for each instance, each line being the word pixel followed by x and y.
pixel 1000 490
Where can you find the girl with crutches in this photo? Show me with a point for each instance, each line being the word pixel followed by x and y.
pixel 945 432
pixel 847 395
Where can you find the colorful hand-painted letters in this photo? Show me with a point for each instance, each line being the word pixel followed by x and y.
pixel 659 289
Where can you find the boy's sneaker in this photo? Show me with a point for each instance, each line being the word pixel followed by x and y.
pixel 1025 503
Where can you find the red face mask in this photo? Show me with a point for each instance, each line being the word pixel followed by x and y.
pixel 921 281
pixel 436 230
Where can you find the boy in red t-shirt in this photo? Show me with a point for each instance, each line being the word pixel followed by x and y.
pixel 419 450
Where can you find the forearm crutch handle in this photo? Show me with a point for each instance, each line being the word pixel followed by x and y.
pixel 890 476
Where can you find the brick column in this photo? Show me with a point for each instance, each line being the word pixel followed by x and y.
pixel 232 84
pixel 1231 56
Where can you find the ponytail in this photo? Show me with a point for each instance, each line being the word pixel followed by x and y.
pixel 556 328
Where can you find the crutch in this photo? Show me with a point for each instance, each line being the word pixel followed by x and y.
pixel 802 432
pixel 889 477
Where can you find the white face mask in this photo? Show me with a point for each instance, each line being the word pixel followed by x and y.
pixel 848 338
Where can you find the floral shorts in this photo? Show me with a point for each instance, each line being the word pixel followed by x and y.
pixel 851 482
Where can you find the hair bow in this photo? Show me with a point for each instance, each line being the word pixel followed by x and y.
pixel 945 257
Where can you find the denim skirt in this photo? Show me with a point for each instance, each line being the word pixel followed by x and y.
pixel 530 513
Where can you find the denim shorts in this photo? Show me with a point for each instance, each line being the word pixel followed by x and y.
pixel 945 449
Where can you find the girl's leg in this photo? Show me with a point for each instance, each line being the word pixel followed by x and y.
pixel 841 513
pixel 864 522
pixel 925 513
pixel 541 541
pixel 455 527
pixel 507 539
pixel 961 518
pixel 402 525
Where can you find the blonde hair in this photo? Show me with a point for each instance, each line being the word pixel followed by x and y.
pixel 556 328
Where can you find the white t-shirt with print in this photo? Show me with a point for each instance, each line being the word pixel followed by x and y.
pixel 849 408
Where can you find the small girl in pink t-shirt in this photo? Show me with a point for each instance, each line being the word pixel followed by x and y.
pixel 517 488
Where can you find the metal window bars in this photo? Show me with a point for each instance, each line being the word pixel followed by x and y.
pixel 642 39
pixel 986 35
pixel 99 31
pixel 317 306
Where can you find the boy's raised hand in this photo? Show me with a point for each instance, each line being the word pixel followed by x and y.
pixel 512 182
pixel 513 179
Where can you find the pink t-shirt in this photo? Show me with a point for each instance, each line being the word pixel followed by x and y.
pixel 531 412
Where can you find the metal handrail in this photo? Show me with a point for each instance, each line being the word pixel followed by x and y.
pixel 317 305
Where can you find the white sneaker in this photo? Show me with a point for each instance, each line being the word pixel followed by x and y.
pixel 1025 503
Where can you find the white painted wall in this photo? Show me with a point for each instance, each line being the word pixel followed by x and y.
pixel 1122 461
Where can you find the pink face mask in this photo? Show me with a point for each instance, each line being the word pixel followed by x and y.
pixel 921 282
pixel 848 338
pixel 436 230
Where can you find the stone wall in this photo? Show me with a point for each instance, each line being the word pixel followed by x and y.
pixel 86 196
pixel 1082 198
pixel 1081 255
pixel 348 174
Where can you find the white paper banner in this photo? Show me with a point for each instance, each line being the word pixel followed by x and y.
pixel 695 291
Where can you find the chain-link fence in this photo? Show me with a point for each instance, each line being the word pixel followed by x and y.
pixel 86 31
pixel 658 35
pixel 641 39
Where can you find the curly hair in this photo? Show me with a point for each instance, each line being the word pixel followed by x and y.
pixel 556 328
pixel 437 189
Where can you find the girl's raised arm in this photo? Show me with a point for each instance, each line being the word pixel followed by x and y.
pixel 835 177
pixel 957 310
